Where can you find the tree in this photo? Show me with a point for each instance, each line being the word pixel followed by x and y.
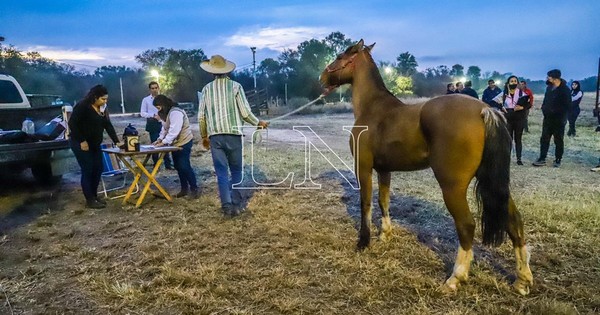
pixel 337 42
pixel 457 70
pixel 407 64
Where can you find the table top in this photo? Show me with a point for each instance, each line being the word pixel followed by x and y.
pixel 144 149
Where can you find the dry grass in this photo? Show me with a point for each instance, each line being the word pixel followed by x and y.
pixel 293 252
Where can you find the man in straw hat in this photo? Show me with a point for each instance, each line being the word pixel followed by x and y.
pixel 223 110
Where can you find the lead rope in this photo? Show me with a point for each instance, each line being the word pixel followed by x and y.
pixel 257 137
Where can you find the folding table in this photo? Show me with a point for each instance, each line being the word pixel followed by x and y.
pixel 139 160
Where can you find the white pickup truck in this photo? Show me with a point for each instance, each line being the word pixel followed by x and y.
pixel 48 160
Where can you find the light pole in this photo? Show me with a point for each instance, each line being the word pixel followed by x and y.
pixel 254 65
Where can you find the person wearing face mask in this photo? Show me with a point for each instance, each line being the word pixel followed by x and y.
pixel 576 95
pixel 87 124
pixel 555 106
pixel 514 103
pixel 176 131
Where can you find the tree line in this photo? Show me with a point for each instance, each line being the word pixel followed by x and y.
pixel 294 73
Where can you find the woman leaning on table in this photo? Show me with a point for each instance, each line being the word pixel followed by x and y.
pixel 87 124
pixel 176 131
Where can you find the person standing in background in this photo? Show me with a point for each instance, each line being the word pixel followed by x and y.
pixel 450 88
pixel 555 106
pixel 527 90
pixel 468 90
pixel 153 121
pixel 459 87
pixel 87 124
pixel 576 96
pixel 490 92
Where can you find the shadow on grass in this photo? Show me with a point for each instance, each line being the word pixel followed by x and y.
pixel 430 222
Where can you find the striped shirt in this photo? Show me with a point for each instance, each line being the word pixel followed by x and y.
pixel 224 108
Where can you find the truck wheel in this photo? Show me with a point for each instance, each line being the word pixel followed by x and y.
pixel 43 174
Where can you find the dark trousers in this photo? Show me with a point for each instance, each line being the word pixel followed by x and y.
pixel 227 156
pixel 91 169
pixel 515 129
pixel 553 127
pixel 572 117
pixel 153 127
pixel 181 161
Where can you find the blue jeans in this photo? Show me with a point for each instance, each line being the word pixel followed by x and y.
pixel 91 169
pixel 181 161
pixel 227 156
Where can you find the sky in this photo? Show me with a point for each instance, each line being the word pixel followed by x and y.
pixel 526 38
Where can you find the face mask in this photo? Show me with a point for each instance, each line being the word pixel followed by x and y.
pixel 512 86
pixel 102 108
pixel 548 82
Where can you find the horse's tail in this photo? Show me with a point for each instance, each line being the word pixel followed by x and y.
pixel 493 178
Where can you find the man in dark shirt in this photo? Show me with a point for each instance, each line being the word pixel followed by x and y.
pixel 557 101
pixel 490 92
pixel 469 91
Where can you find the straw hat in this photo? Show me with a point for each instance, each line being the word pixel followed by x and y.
pixel 217 65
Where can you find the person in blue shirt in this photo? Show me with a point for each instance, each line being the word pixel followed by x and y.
pixel 490 92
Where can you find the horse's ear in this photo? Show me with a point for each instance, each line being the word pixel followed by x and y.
pixel 370 47
pixel 360 44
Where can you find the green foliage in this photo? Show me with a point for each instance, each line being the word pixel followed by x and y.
pixel 407 64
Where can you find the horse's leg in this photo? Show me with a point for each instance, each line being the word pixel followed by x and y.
pixel 515 232
pixel 366 191
pixel 384 204
pixel 455 197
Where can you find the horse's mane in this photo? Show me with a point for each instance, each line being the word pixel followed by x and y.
pixel 376 76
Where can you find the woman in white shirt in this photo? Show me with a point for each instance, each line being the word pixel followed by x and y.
pixel 176 131
pixel 576 96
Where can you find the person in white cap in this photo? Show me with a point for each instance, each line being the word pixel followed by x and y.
pixel 223 110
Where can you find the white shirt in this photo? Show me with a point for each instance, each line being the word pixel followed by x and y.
pixel 168 136
pixel 576 96
pixel 147 110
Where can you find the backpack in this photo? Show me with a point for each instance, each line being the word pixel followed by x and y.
pixel 130 131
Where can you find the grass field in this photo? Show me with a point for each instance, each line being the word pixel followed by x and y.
pixel 293 252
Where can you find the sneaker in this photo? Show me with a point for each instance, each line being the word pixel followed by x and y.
pixel 182 193
pixel 94 204
pixel 519 162
pixel 539 162
pixel 556 163
pixel 596 169
pixel 195 194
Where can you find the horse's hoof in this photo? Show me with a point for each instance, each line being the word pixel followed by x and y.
pixel 523 286
pixel 362 245
pixel 448 288
pixel 385 236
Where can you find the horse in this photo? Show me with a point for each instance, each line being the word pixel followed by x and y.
pixel 457 136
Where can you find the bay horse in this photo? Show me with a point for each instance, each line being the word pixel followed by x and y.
pixel 458 136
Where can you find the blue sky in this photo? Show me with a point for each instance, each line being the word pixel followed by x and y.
pixel 523 37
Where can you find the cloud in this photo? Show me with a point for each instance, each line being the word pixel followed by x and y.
pixel 90 57
pixel 277 39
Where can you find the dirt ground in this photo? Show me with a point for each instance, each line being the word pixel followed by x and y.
pixel 293 252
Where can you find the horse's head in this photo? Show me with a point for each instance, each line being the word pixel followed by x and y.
pixel 341 70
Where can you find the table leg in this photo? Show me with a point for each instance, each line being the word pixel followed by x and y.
pixel 152 180
pixel 138 175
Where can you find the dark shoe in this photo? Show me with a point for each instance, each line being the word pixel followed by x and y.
pixel 240 208
pixel 556 163
pixel 102 201
pixel 539 162
pixel 169 167
pixel 94 204
pixel 195 194
pixel 519 162
pixel 235 211
pixel 182 193
pixel 227 209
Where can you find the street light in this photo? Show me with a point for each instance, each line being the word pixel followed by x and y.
pixel 254 65
pixel 387 70
pixel 155 74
